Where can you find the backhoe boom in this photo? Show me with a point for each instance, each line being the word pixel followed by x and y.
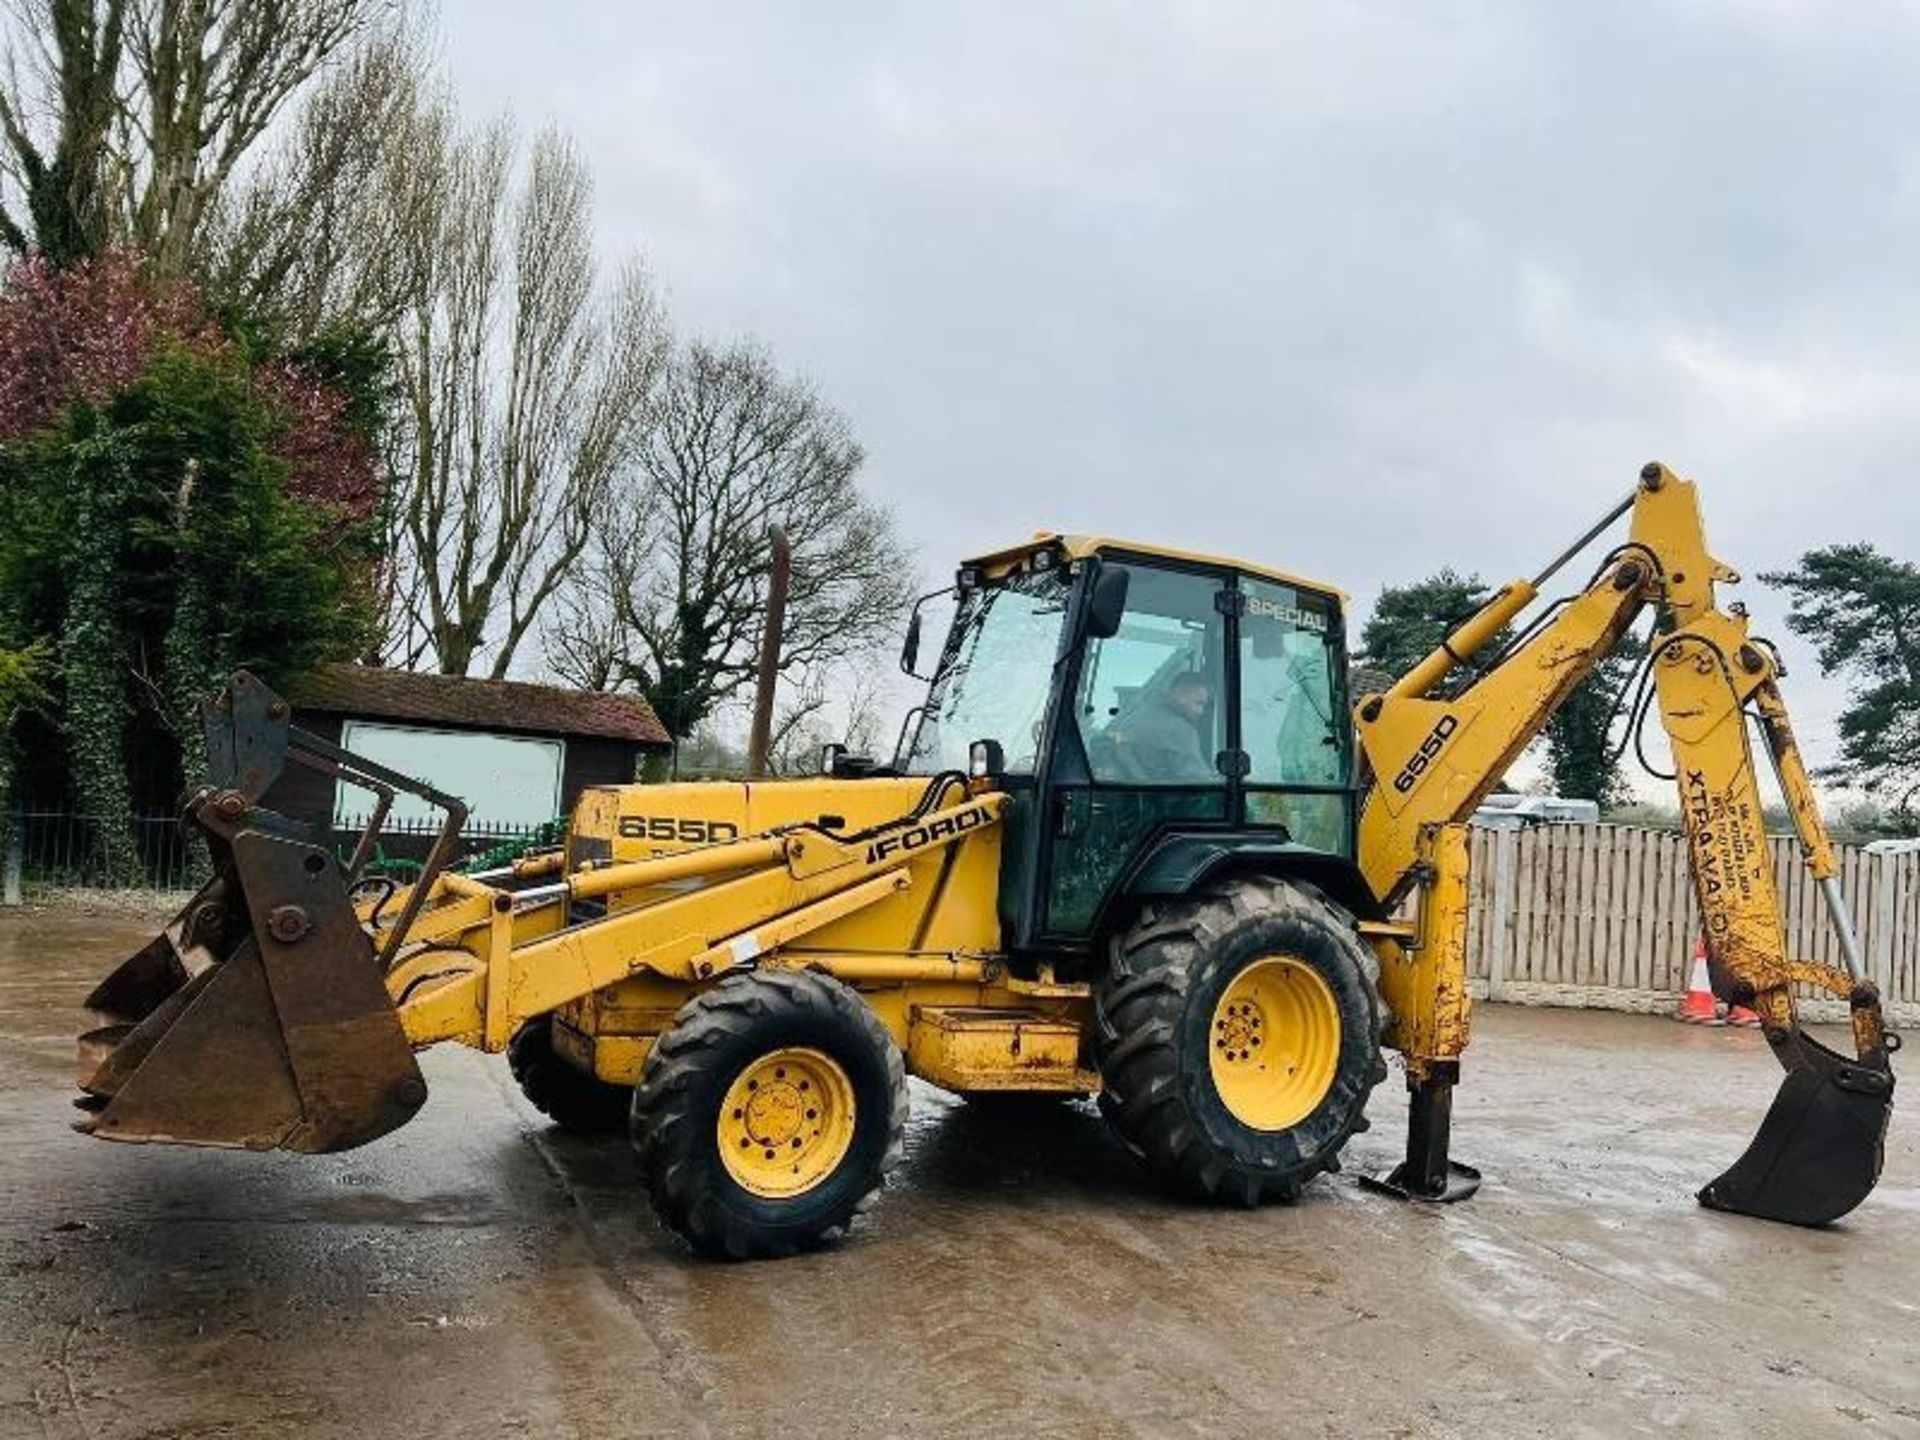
pixel 1434 757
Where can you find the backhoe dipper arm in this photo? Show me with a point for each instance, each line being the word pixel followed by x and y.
pixel 1434 758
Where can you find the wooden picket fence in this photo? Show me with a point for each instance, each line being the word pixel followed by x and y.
pixel 1604 916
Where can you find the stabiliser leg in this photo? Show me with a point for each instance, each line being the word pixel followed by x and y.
pixel 1429 1173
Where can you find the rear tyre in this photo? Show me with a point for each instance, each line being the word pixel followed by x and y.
pixel 559 1089
pixel 1238 1037
pixel 769 1115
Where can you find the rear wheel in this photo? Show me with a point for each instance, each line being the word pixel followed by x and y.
pixel 567 1095
pixel 768 1115
pixel 1238 1037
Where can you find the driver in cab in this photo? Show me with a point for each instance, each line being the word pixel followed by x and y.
pixel 1164 743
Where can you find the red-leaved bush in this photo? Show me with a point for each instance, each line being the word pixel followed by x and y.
pixel 331 462
pixel 83 333
pixel 88 331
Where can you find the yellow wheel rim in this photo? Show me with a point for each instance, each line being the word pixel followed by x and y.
pixel 786 1122
pixel 1274 1044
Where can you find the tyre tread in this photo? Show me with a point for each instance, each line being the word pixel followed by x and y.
pixel 663 1128
pixel 1138 1012
pixel 565 1094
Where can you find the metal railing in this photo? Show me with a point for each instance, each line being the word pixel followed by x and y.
pixel 60 850
pixel 402 845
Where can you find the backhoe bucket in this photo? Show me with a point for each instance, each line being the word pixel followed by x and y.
pixel 259 1018
pixel 1819 1150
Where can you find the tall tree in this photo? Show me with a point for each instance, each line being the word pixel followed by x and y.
pixel 526 389
pixel 333 227
pixel 131 118
pixel 672 599
pixel 1861 611
pixel 1409 621
pixel 75 52
pixel 168 510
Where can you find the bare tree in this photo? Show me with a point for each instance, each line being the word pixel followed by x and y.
pixel 337 220
pixel 526 391
pixel 212 76
pixel 70 94
pixel 588 633
pixel 131 117
pixel 671 604
pixel 839 705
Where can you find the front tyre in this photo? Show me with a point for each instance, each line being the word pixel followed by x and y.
pixel 768 1116
pixel 1238 1038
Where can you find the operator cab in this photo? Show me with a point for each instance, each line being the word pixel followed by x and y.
pixel 1149 711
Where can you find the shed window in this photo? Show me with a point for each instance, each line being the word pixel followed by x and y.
pixel 504 779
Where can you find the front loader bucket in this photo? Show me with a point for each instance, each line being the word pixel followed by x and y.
pixel 1818 1151
pixel 259 1018
pixel 286 1041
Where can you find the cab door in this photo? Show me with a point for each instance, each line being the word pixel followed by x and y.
pixel 1149 738
pixel 1295 727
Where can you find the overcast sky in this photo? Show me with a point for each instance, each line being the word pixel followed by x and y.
pixel 1359 290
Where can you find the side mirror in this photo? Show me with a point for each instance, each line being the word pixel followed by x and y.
pixel 1106 603
pixel 910 648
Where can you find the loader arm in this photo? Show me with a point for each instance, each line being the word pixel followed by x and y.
pixel 1434 757
pixel 282 1007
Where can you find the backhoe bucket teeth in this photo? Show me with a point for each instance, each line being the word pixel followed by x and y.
pixel 1818 1151
pixel 258 1018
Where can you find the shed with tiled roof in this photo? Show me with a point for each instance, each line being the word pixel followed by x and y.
pixel 518 753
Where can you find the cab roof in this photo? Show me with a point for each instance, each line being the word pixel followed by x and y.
pixel 1078 547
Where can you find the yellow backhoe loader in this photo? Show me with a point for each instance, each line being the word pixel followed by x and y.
pixel 1135 844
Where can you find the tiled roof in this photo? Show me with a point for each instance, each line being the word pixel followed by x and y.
pixel 377 693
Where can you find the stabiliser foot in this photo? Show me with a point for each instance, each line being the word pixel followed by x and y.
pixel 1428 1173
pixel 1458 1183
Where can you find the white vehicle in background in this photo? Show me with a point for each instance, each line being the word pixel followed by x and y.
pixel 1522 812
pixel 1909 846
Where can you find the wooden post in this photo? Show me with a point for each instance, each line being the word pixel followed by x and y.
pixel 1885 870
pixel 1500 938
pixel 761 738
pixel 10 887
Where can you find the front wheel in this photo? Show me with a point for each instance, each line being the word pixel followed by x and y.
pixel 1238 1038
pixel 768 1116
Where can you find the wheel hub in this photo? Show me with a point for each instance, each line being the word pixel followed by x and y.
pixel 1274 1043
pixel 774 1114
pixel 786 1122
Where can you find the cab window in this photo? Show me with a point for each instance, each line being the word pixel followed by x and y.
pixel 995 675
pixel 1151 703
pixel 1294 725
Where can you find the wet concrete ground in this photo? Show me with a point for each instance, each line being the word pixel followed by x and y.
pixel 478 1274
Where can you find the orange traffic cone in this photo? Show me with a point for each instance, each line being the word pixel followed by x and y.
pixel 1743 1017
pixel 1697 1008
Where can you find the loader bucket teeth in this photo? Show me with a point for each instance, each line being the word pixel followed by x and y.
pixel 1818 1151
pixel 287 1040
